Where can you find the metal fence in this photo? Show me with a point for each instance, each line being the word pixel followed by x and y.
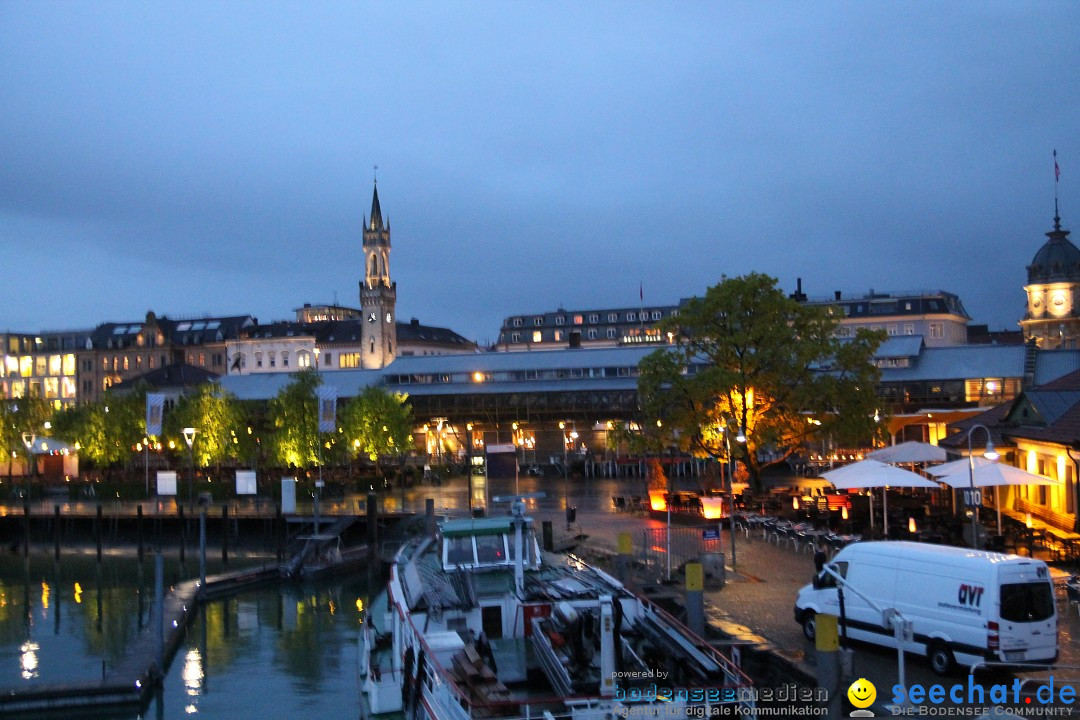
pixel 688 544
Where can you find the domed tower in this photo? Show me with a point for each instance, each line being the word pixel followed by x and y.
pixel 378 294
pixel 1053 293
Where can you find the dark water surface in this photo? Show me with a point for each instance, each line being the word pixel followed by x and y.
pixel 283 651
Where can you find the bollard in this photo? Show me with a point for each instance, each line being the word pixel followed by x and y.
pixel 626 548
pixel 372 528
pixel 183 531
pixel 827 646
pixel 549 536
pixel 139 530
pixel 225 534
pixel 97 531
pixel 429 512
pixel 56 532
pixel 695 598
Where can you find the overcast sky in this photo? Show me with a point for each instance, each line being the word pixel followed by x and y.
pixel 217 158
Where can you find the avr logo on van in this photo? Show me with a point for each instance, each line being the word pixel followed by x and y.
pixel 970 595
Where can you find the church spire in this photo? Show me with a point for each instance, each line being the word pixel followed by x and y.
pixel 376 222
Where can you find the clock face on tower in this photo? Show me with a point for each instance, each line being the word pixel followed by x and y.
pixel 1036 300
pixel 371 317
pixel 388 317
pixel 1058 302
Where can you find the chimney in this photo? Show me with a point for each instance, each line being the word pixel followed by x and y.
pixel 837 293
pixel 798 295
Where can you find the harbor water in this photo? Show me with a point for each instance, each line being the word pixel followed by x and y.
pixel 280 651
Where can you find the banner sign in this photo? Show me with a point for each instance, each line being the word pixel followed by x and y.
pixel 327 395
pixel 166 482
pixel 155 407
pixel 245 482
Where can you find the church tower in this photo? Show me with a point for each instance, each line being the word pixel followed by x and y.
pixel 378 294
pixel 1053 293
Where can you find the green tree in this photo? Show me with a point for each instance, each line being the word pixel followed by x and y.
pixel 293 415
pixel 750 362
pixel 25 414
pixel 377 424
pixel 216 416
pixel 108 430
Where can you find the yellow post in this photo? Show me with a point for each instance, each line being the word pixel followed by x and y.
pixel 695 597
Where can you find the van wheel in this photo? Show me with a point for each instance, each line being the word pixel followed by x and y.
pixel 941 658
pixel 809 625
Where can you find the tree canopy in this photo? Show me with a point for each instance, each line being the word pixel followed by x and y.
pixel 377 423
pixel 216 416
pixel 294 416
pixel 748 361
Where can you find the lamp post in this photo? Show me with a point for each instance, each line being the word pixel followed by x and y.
pixel 468 462
pixel 318 440
pixel 565 470
pixel 990 454
pixel 28 439
pixel 189 438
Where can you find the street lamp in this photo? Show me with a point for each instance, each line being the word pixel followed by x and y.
pixel 28 439
pixel 990 454
pixel 189 438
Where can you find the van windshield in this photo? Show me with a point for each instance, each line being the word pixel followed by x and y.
pixel 1027 602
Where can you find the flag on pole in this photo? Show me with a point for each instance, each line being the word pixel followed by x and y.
pixel 1057 170
pixel 327 408
pixel 155 407
pixel 641 292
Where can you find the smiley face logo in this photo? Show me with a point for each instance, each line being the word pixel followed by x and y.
pixel 862 693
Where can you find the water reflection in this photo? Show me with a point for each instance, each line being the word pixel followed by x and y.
pixel 279 651
pixel 28 659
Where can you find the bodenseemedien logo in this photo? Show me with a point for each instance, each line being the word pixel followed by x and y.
pixel 862 694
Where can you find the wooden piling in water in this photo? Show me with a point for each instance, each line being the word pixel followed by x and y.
pixel 139 530
pixel 183 530
pixel 97 531
pixel 56 532
pixel 225 533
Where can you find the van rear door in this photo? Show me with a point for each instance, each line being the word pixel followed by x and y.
pixel 1027 615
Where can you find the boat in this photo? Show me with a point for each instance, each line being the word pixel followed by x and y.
pixel 479 622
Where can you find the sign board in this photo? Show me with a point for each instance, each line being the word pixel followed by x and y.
pixel 288 495
pixel 972 498
pixel 503 448
pixel 245 482
pixel 166 482
pixel 710 534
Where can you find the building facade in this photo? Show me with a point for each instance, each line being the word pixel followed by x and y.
pixel 1052 318
pixel 41 365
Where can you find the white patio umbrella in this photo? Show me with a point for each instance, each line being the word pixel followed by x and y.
pixel 956 466
pixel 992 474
pixel 867 474
pixel 909 452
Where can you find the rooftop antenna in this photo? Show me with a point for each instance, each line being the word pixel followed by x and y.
pixel 375 174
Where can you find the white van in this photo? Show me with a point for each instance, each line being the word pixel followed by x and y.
pixel 965 605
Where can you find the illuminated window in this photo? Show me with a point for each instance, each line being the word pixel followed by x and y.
pixel 41 364
pixel 26 366
pixel 67 388
pixel 12 364
pixel 349 360
pixel 125 362
pixel 52 388
pixel 303 359
pixel 537 336
pixel 55 365
pixel 578 319
pixel 68 365
pixel 150 362
pixel 558 336
pixel 138 362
